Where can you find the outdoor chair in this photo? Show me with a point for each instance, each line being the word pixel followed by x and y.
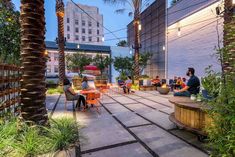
pixel 92 99
pixel 66 100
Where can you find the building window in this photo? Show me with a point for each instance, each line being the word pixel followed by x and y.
pixel 90 39
pixel 48 68
pixel 56 56
pixel 56 69
pixel 76 22
pixel 83 38
pixel 98 39
pixel 83 23
pixel 98 24
pixel 68 28
pixel 76 37
pixel 98 32
pixel 76 30
pixel 83 30
pixel 90 31
pixel 89 24
pixel 67 20
pixel 68 36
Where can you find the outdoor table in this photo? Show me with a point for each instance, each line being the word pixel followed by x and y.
pixel 190 115
pixel 91 92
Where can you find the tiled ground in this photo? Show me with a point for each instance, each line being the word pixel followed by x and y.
pixel 135 125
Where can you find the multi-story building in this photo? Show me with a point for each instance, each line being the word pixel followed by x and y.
pixel 81 28
pixel 152 37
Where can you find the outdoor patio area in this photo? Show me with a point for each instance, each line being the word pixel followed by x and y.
pixel 131 125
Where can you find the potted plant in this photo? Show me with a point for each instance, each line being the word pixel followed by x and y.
pixel 102 62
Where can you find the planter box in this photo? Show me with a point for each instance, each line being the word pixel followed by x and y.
pixel 70 153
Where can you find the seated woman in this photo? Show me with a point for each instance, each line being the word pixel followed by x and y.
pixel 127 85
pixel 156 82
pixel 85 85
pixel 71 95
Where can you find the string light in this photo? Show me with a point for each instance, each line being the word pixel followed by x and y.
pixel 139 27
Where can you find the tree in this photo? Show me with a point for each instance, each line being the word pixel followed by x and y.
pixel 122 43
pixel 136 8
pixel 143 60
pixel 33 85
pixel 9 33
pixel 78 61
pixel 60 39
pixel 102 62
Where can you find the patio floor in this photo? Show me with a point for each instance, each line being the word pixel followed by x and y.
pixel 134 125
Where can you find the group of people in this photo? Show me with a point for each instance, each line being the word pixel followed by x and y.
pixel 72 95
pixel 126 85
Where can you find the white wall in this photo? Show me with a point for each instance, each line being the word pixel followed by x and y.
pixel 195 46
pixel 115 52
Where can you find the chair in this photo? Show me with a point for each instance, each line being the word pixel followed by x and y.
pixel 92 98
pixel 67 99
pixel 128 86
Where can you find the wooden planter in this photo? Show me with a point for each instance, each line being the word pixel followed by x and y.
pixel 189 115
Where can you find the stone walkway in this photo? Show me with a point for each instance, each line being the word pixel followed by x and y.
pixel 135 125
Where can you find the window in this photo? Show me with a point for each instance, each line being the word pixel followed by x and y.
pixel 76 22
pixel 76 37
pixel 67 20
pixel 98 39
pixel 48 68
pixel 56 56
pixel 90 31
pixel 56 69
pixel 89 24
pixel 98 24
pixel 76 30
pixel 68 28
pixel 68 36
pixel 83 30
pixel 83 23
pixel 90 39
pixel 98 32
pixel 83 38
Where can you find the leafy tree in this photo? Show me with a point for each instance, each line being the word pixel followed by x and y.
pixel 122 43
pixel 102 62
pixel 78 61
pixel 143 61
pixel 9 33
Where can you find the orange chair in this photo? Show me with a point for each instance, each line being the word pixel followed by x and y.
pixel 129 85
pixel 92 98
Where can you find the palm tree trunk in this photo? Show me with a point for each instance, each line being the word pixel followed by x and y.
pixel 61 41
pixel 136 46
pixel 229 39
pixel 33 84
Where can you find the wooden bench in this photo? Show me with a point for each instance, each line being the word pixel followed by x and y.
pixel 190 115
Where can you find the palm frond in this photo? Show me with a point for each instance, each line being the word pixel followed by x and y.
pixel 120 11
pixel 130 14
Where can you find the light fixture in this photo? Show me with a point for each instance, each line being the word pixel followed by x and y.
pixel 103 39
pixel 78 46
pixel 233 1
pixel 130 52
pixel 139 27
pixel 179 32
pixel 163 48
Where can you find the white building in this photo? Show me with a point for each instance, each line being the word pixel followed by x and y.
pixel 80 28
pixel 192 36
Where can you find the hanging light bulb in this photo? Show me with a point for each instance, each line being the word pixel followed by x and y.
pixel 139 27
pixel 179 32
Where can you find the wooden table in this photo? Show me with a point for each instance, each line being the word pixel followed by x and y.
pixel 190 115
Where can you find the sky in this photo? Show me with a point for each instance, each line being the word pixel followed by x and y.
pixel 112 20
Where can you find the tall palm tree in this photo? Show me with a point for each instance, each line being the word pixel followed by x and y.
pixel 136 8
pixel 33 86
pixel 60 40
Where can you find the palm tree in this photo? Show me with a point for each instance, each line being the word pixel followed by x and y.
pixel 136 8
pixel 33 86
pixel 60 17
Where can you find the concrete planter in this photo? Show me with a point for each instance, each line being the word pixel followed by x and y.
pixel 69 153
pixel 163 91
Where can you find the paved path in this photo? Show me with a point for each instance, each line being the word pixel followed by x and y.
pixel 135 125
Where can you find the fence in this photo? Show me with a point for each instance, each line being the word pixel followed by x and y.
pixel 9 90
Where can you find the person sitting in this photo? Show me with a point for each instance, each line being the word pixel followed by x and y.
pixel 192 87
pixel 71 95
pixel 127 85
pixel 156 82
pixel 85 85
pixel 178 84
pixel 183 83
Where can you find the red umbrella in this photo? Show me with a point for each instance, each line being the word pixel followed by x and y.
pixel 90 67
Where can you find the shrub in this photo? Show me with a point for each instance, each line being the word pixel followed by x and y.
pixel 57 90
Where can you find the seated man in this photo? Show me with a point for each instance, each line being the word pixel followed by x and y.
pixel 192 87
pixel 127 86
pixel 156 82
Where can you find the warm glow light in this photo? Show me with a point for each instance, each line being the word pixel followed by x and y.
pixel 140 27
pixel 46 53
pixel 179 32
pixel 233 2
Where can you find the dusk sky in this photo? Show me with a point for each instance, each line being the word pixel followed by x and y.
pixel 112 21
